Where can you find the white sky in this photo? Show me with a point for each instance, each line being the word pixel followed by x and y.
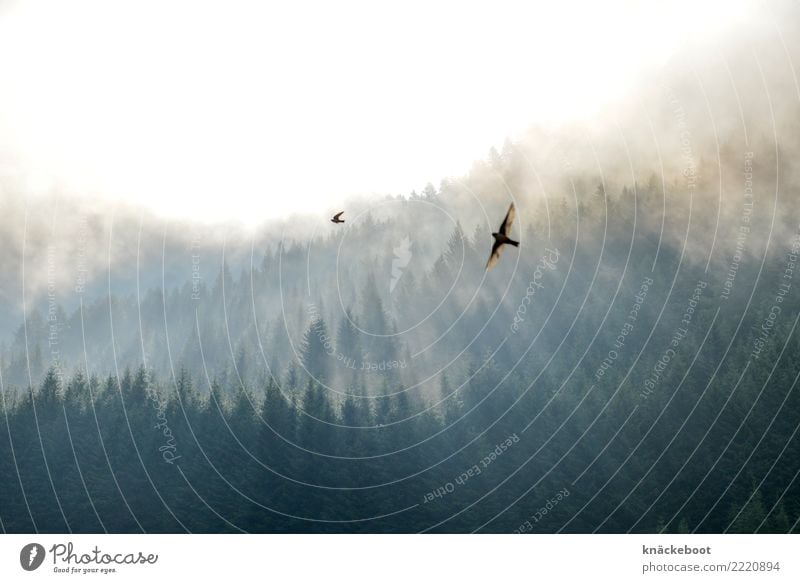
pixel 250 110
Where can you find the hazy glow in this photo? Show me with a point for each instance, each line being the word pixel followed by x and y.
pixel 233 109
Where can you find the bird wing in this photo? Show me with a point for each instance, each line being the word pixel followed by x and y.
pixel 339 214
pixel 497 248
pixel 506 226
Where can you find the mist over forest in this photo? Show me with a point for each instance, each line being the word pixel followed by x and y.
pixel 630 368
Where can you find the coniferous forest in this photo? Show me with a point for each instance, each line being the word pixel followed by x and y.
pixel 632 367
pixel 613 388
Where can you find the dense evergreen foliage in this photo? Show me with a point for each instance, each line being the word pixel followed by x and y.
pixel 604 383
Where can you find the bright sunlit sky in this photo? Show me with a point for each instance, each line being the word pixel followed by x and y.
pixel 251 110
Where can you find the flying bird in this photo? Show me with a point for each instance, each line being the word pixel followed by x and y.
pixel 336 218
pixel 501 237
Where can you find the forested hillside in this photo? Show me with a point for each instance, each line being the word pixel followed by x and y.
pixel 612 372
pixel 631 367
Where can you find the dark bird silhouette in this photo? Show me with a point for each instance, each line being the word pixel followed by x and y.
pixel 501 237
pixel 336 218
